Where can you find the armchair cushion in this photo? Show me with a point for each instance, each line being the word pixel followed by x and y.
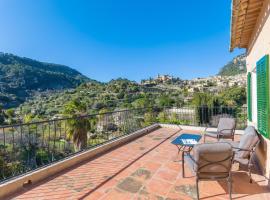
pixel 232 143
pixel 211 134
pixel 214 134
pixel 247 141
pixel 226 126
pixel 212 159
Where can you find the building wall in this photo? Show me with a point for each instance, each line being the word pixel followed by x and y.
pixel 258 47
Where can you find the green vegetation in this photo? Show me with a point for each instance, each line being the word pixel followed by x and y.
pixel 228 101
pixel 78 126
pixel 231 97
pixel 21 77
pixel 115 95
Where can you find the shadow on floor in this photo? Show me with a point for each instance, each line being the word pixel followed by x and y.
pixel 242 187
pixel 128 165
pixel 162 140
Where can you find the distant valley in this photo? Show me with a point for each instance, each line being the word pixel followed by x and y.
pixel 31 90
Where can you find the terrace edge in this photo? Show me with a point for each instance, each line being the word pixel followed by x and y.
pixel 18 184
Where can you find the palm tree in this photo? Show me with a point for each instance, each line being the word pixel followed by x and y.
pixel 78 128
pixel 78 124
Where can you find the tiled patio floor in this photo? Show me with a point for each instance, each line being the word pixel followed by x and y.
pixel 143 169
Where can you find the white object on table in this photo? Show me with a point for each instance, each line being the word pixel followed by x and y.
pixel 189 141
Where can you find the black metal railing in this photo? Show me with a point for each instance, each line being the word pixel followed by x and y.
pixel 25 147
pixel 203 115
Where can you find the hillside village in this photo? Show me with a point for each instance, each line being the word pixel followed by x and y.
pixel 209 84
pixel 215 83
pixel 232 74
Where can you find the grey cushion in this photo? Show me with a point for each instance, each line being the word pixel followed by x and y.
pixel 247 141
pixel 213 134
pixel 226 126
pixel 232 143
pixel 212 159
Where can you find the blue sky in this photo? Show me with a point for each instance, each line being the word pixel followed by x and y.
pixel 135 39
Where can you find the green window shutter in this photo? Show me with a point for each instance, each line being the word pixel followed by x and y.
pixel 249 95
pixel 262 69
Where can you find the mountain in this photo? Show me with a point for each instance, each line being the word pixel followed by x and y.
pixel 20 77
pixel 234 67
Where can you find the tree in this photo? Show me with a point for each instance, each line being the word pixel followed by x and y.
pixel 235 96
pixel 78 124
pixel 165 101
pixel 141 103
pixel 202 99
pixel 10 115
pixel 28 118
pixel 149 118
pixel 202 102
pixel 162 117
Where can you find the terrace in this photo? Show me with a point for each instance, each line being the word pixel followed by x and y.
pixel 132 159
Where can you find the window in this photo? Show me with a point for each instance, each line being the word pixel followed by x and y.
pixel 263 95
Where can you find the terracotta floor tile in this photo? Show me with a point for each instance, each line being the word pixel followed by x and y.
pixel 94 196
pixel 144 169
pixel 158 187
pixel 117 194
pixel 177 196
pixel 152 166
pixel 176 166
pixel 167 175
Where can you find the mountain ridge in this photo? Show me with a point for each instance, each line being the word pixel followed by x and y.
pixel 236 66
pixel 20 76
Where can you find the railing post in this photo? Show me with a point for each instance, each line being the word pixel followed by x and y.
pixel 21 133
pixel 29 148
pixel 60 135
pixel 4 143
pixel 65 136
pixel 49 138
pixel 13 144
pixel 53 151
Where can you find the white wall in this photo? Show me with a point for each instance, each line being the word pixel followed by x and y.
pixel 260 46
pixel 260 42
